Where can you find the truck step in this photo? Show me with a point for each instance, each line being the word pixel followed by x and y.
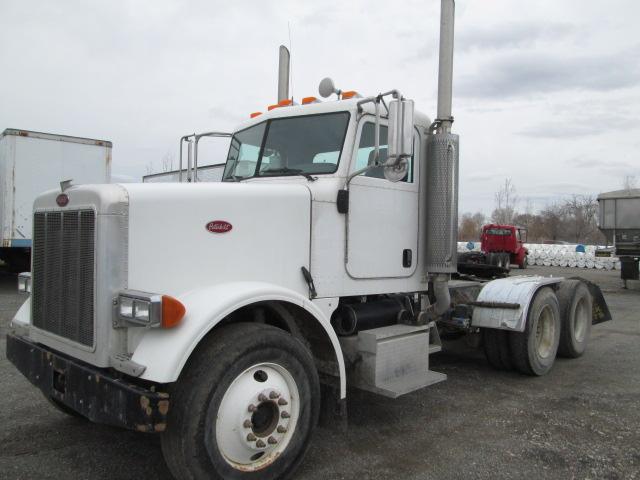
pixel 393 360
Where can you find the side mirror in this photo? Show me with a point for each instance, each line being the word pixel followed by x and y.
pixel 400 128
pixel 400 139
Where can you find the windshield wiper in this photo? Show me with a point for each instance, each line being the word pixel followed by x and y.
pixel 286 170
pixel 235 178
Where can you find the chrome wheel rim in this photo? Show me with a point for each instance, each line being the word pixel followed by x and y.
pixel 257 417
pixel 545 332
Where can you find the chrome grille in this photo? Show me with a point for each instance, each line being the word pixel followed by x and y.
pixel 63 273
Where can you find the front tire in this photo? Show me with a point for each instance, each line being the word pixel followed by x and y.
pixel 523 265
pixel 244 407
pixel 533 351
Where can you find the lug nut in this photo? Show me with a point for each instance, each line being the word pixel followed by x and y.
pixel 282 402
pixel 260 444
pixel 285 415
pixel 251 438
pixel 273 395
pixel 262 397
pixel 281 429
pixel 272 441
pixel 252 408
pixel 247 424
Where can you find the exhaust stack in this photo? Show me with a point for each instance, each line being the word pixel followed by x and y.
pixel 283 73
pixel 445 64
pixel 442 172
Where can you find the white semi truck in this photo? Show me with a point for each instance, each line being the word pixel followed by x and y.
pixel 32 162
pixel 212 313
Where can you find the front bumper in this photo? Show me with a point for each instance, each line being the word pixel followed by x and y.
pixel 95 393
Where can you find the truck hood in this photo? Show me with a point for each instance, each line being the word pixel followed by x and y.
pixel 183 237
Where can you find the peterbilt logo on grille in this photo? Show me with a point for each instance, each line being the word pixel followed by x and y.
pixel 219 226
pixel 62 200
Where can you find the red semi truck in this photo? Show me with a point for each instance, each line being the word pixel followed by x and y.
pixel 501 247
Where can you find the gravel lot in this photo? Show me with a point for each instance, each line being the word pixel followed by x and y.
pixel 580 421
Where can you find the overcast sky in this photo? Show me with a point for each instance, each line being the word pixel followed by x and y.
pixel 546 92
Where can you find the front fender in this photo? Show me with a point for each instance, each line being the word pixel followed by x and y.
pixel 165 352
pixel 511 290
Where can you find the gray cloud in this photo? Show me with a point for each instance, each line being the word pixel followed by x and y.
pixel 511 35
pixel 530 73
pixel 582 162
pixel 483 176
pixel 574 129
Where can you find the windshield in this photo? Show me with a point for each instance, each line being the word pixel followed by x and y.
pixel 504 232
pixel 288 146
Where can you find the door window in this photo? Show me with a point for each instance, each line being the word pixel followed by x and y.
pixel 366 152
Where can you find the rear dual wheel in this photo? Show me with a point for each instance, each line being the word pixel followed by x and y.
pixel 500 260
pixel 244 407
pixel 576 311
pixel 533 351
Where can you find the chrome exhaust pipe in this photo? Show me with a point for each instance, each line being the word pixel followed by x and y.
pixel 442 174
pixel 445 65
pixel 283 73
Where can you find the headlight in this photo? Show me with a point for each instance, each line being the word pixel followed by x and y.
pixel 24 282
pixel 126 307
pixel 141 309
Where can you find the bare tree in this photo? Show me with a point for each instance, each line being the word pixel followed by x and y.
pixel 553 219
pixel 470 226
pixel 166 164
pixel 581 213
pixel 505 203
pixel 167 161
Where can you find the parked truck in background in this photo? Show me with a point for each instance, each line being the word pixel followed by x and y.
pixel 222 315
pixel 500 247
pixel 31 163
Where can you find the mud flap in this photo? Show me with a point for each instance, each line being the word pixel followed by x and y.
pixel 601 311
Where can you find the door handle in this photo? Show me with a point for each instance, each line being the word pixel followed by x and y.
pixel 407 255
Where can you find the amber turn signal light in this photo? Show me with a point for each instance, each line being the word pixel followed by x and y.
pixel 172 312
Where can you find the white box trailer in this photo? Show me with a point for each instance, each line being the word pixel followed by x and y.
pixel 33 162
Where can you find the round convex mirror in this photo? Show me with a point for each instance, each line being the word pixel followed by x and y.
pixel 395 173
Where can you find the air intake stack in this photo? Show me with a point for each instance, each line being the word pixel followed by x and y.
pixel 442 162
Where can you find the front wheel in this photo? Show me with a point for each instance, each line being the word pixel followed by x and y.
pixel 523 265
pixel 245 406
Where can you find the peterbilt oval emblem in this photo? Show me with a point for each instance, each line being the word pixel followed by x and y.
pixel 62 200
pixel 219 226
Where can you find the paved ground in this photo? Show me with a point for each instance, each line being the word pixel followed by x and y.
pixel 580 421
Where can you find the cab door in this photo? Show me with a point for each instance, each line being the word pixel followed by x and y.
pixel 382 221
